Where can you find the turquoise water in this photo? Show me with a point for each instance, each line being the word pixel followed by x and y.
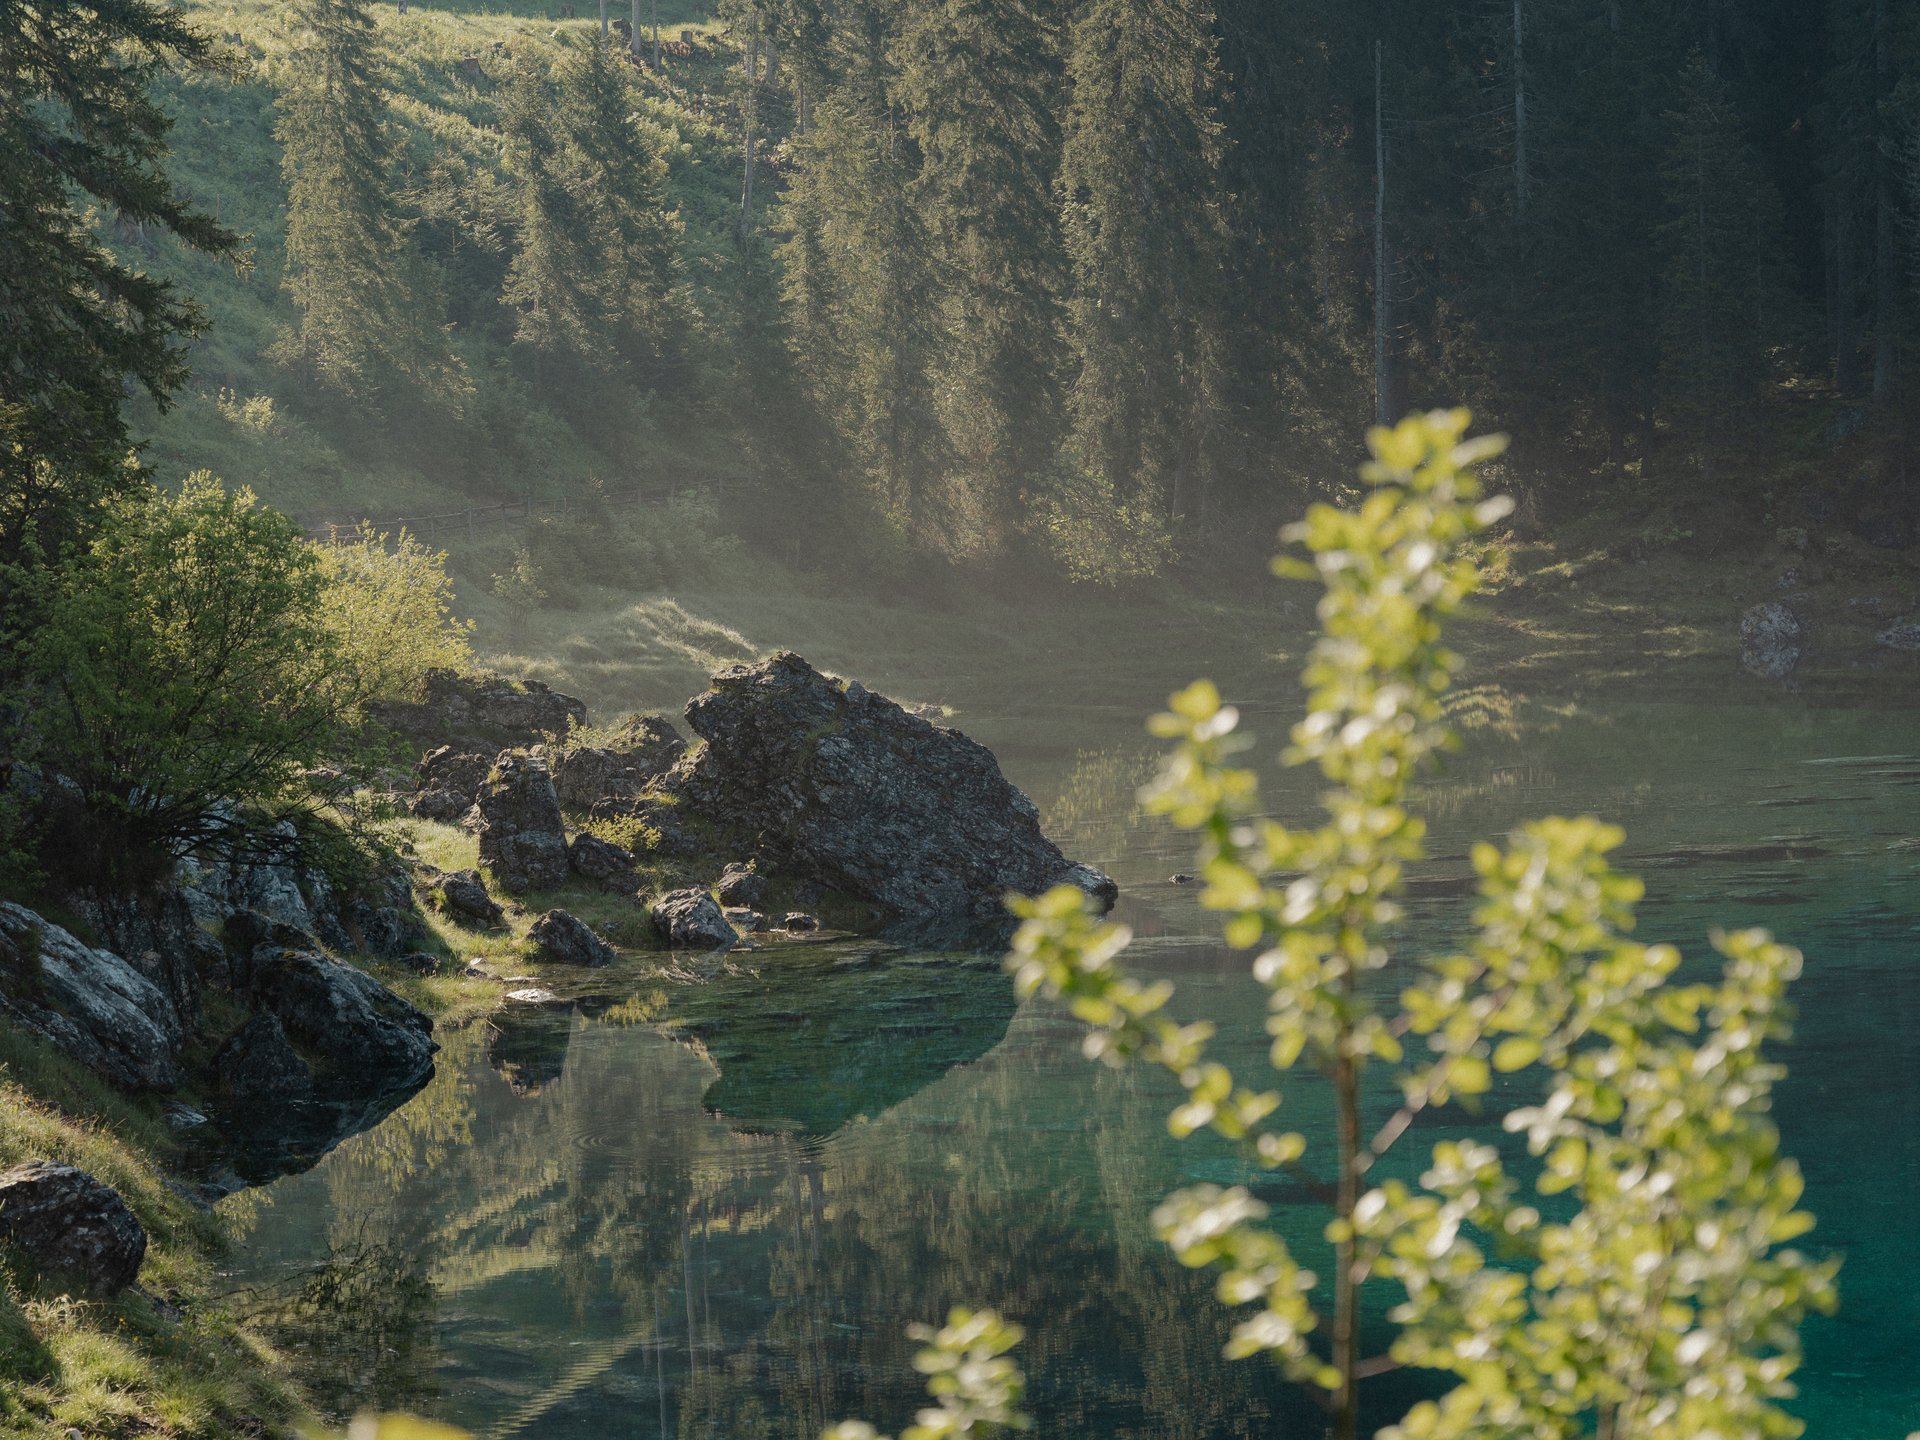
pixel 711 1210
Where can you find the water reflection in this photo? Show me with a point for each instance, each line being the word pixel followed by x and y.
pixel 663 1210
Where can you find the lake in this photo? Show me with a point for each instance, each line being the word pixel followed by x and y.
pixel 679 1209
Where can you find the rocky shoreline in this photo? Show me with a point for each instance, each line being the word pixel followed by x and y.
pixel 230 983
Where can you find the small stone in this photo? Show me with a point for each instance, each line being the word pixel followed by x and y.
pixel 533 996
pixel 65 1222
pixel 464 896
pixel 1182 878
pixel 1771 637
pixel 421 962
pixel 1904 635
pixel 741 918
pixel 798 922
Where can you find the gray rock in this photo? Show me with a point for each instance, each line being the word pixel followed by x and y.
pixel 740 886
pixel 385 931
pixel 533 995
pixel 523 839
pixel 690 920
pixel 483 712
pixel 90 1004
pixel 1771 640
pixel 463 895
pixel 741 918
pixel 1903 635
pixel 275 888
pixel 157 933
pixel 641 749
pixel 359 1039
pixel 830 782
pixel 447 807
pixel 604 863
pixel 66 1223
pixel 564 939
pixel 448 767
pixel 258 1065
pixel 798 922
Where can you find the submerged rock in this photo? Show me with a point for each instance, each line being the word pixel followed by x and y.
pixel 691 920
pixel 67 1223
pixel 522 836
pixel 1903 636
pixel 833 783
pixel 564 939
pixel 89 1004
pixel 1771 638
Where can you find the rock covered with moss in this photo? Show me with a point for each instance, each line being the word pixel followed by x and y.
pixel 523 838
pixel 829 782
pixel 70 1226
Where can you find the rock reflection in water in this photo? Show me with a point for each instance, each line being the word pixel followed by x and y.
pixel 819 1036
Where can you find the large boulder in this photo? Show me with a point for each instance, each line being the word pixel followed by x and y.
pixel 158 934
pixel 1771 640
pixel 358 1040
pixel 604 863
pixel 741 886
pixel 449 779
pixel 463 895
pixel 523 839
pixel 89 1004
pixel 691 920
pixel 831 782
pixel 69 1225
pixel 640 750
pixel 483 712
pixel 565 939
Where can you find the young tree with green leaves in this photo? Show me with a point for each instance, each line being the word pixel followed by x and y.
pixel 78 125
pixel 1651 1292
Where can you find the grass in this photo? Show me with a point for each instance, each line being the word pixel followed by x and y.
pixel 164 1359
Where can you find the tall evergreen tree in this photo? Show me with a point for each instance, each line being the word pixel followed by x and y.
pixel 76 325
pixel 978 83
pixel 551 281
pixel 1142 194
pixel 1722 301
pixel 361 331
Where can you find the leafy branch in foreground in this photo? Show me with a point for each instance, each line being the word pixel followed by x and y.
pixel 1650 1293
pixel 977 1387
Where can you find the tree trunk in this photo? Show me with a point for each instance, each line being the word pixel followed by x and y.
pixel 747 112
pixel 1884 279
pixel 1379 246
pixel 656 34
pixel 1519 110
pixel 603 22
pixel 633 32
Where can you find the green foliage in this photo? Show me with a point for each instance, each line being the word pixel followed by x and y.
pixel 519 587
pixel 387 606
pixel 1652 1291
pixel 967 1371
pixel 78 126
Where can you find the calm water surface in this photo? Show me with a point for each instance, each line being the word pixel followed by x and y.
pixel 711 1210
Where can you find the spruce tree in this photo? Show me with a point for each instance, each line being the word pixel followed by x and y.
pixel 616 174
pixel 77 125
pixel 1140 183
pixel 345 269
pixel 551 281
pixel 1722 301
pixel 978 81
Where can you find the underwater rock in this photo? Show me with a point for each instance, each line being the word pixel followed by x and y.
pixel 1771 637
pixel 833 783
pixel 67 1223
pixel 1903 636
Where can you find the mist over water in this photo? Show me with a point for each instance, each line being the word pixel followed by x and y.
pixel 664 1209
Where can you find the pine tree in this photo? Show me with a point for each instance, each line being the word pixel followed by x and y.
pixel 1140 182
pixel 551 281
pixel 616 172
pixel 1722 298
pixel 345 268
pixel 977 81
pixel 77 119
